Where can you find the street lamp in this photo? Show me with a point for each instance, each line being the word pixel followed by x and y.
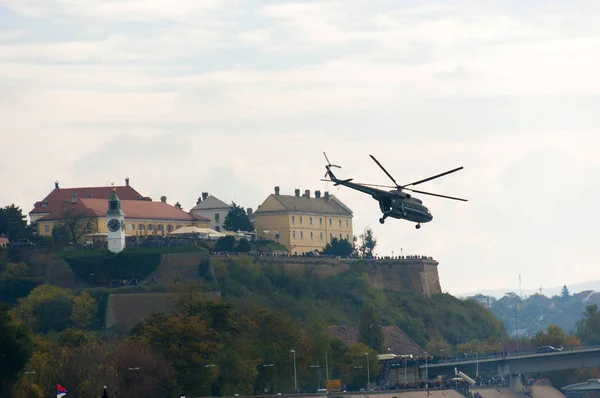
pixel 368 373
pixel 318 375
pixel 295 379
pixel 270 365
pixel 477 365
pixel 370 337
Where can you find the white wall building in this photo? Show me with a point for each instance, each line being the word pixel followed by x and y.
pixel 212 208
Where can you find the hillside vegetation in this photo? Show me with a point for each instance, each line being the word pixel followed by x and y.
pixel 305 295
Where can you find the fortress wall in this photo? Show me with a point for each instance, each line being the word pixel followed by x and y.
pixel 418 276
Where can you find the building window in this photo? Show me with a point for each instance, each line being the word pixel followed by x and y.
pixel 340 222
pixel 47 228
pixel 294 234
pixel 150 227
pixel 348 237
pixel 310 220
pixel 321 235
pixel 141 227
pixel 330 222
pixel 132 227
pixel 293 219
pixel 300 219
pixel 301 235
pixel 331 235
pixel 311 235
pixel 340 236
pixel 320 220
pixel 217 217
pixel 347 223
pixel 169 228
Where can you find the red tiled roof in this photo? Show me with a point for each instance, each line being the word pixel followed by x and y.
pixel 133 209
pixel 56 199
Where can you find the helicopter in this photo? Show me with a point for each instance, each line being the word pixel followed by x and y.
pixel 394 203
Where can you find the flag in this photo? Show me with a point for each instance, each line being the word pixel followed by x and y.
pixel 60 391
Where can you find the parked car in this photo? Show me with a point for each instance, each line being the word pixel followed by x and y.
pixel 549 348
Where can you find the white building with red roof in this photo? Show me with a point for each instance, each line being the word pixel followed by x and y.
pixel 86 208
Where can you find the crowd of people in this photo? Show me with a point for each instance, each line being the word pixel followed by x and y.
pixel 435 384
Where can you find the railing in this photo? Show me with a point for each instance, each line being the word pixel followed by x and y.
pixel 508 355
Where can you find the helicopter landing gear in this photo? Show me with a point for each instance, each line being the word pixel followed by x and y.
pixel 382 219
pixel 418 226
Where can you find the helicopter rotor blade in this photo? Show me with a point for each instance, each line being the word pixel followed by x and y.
pixel 329 163
pixel 385 171
pixel 435 194
pixel 432 178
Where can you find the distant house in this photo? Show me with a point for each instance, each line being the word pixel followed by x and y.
pixel 4 241
pixel 213 209
pixel 303 223
pixel 486 301
pixel 142 215
pixel 59 197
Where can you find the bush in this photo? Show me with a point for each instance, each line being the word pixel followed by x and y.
pixel 243 246
pixel 225 244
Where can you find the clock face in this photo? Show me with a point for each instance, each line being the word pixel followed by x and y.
pixel 114 225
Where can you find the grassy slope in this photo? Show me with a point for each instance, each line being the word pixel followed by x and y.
pixel 338 299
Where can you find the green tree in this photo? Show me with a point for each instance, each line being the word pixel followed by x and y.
pixel 13 223
pixel 16 348
pixel 237 219
pixel 588 328
pixel 225 244
pixel 243 246
pixel 52 315
pixel 565 294
pixel 77 223
pixel 368 242
pixel 552 336
pixel 13 271
pixel 84 310
pixel 45 297
pixel 369 327
pixel 338 247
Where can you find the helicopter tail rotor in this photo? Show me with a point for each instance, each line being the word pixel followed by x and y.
pixel 329 165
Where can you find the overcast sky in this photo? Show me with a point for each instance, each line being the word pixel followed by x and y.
pixel 234 97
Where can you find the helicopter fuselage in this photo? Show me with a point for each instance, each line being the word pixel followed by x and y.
pixel 403 206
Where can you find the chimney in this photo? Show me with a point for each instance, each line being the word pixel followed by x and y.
pixel 163 199
pixel 297 193
pixel 326 194
pixel 127 181
pixel 249 211
pixel 177 205
pixel 199 200
pixel 317 194
pixel 74 197
pixel 276 190
pixel 204 195
pixel 307 193
pixel 56 184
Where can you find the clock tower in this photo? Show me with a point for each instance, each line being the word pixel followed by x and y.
pixel 116 224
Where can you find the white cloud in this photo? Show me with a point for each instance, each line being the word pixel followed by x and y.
pixel 185 97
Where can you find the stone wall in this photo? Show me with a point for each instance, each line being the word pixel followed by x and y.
pixel 415 275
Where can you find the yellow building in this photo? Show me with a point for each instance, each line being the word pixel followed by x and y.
pixel 84 210
pixel 303 223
